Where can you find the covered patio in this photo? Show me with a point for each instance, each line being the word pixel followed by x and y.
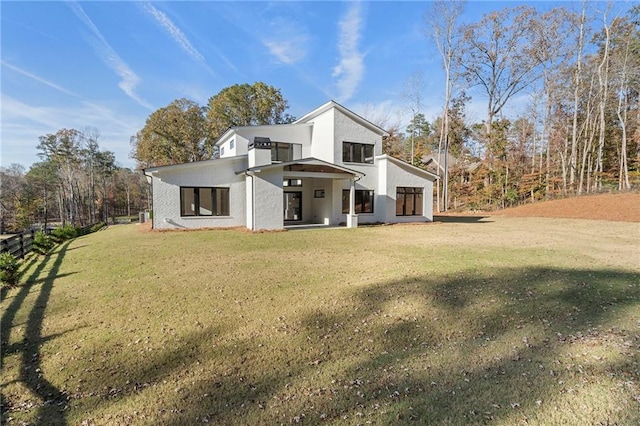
pixel 311 191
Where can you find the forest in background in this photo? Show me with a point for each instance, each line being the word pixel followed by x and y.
pixel 75 183
pixel 576 71
pixel 578 74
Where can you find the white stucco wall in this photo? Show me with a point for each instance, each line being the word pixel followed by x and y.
pixel 392 176
pixel 217 173
pixel 321 207
pixel 347 130
pixel 322 138
pixel 268 201
pixel 288 133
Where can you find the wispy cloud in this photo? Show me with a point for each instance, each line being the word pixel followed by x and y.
pixel 350 69
pixel 283 50
pixel 38 79
pixel 286 40
pixel 23 123
pixel 129 80
pixel 176 33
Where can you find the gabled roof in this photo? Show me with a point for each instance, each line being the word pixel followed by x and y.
pixel 352 115
pixel 307 164
pixel 410 167
pixel 304 120
pixel 465 162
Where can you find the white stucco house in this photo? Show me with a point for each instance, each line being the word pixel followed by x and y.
pixel 325 168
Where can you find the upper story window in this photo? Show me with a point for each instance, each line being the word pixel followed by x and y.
pixel 281 151
pixel 357 152
pixel 232 144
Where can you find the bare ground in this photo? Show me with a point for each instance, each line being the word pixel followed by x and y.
pixel 613 207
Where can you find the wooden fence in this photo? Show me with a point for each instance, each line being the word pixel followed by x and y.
pixel 18 245
pixel 21 244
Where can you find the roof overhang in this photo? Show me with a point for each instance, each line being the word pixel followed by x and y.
pixel 150 171
pixel 308 167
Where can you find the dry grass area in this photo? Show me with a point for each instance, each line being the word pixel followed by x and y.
pixel 494 320
pixel 623 207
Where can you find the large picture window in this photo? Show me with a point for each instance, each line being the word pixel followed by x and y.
pixel 364 201
pixel 409 201
pixel 357 153
pixel 196 201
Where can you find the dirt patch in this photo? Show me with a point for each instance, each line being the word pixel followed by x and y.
pixel 614 207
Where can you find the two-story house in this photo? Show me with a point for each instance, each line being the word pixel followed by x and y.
pixel 325 168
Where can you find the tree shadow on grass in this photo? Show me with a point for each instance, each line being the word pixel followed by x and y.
pixel 53 402
pixel 26 266
pixel 461 219
pixel 464 349
pixel 473 370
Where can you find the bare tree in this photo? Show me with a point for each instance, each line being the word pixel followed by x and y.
pixel 603 80
pixel 576 98
pixel 627 66
pixel 442 18
pixel 412 95
pixel 502 54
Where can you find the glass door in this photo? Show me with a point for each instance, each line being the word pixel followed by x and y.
pixel 292 205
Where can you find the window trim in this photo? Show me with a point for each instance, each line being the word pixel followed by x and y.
pixel 220 191
pixel 362 204
pixel 415 192
pixel 354 148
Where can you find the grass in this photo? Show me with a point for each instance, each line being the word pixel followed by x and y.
pixel 500 321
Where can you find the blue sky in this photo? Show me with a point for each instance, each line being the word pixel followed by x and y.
pixel 108 65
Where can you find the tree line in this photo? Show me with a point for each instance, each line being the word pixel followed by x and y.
pixel 75 183
pixel 577 71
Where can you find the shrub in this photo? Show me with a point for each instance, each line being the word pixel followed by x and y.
pixel 9 267
pixel 42 243
pixel 98 226
pixel 64 233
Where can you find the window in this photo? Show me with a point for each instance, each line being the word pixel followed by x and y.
pixel 232 143
pixel 408 201
pixel 292 182
pixel 222 151
pixel 357 153
pixel 204 201
pixel 364 201
pixel 281 151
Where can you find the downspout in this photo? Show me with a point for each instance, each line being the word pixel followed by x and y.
pixel 253 200
pixel 153 216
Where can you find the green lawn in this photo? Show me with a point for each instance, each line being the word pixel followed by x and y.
pixel 500 321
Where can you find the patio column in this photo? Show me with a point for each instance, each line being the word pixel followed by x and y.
pixel 352 217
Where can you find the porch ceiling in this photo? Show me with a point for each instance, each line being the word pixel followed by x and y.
pixel 309 166
pixel 314 168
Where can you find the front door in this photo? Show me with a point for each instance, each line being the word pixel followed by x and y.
pixel 292 206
